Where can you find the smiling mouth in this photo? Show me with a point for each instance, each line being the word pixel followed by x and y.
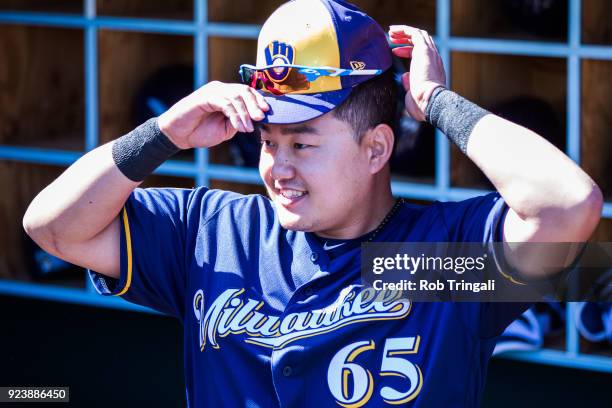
pixel 292 194
pixel 289 197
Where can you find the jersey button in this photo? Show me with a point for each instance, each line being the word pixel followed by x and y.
pixel 314 256
pixel 287 371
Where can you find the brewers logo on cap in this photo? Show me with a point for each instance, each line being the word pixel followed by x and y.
pixel 278 53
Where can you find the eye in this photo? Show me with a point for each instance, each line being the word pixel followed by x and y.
pixel 300 146
pixel 267 143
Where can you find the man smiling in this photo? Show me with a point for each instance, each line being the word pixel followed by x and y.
pixel 306 175
pixel 269 289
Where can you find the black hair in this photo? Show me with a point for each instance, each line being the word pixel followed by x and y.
pixel 369 104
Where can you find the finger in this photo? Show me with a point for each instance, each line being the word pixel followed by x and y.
pixel 400 40
pixel 230 130
pixel 397 28
pixel 398 34
pixel 230 113
pixel 404 32
pixel 435 47
pixel 252 106
pixel 400 37
pixel 402 29
pixel 402 52
pixel 261 101
pixel 243 114
pixel 428 40
pixel 440 62
pixel 218 120
pixel 417 39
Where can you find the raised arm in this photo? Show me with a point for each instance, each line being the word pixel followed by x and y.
pixel 77 216
pixel 550 198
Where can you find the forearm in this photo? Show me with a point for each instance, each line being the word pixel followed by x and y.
pixel 551 198
pixel 89 195
pixel 535 178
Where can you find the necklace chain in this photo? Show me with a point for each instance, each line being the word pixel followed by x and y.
pixel 384 222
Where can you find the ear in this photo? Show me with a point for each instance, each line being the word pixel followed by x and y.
pixel 378 143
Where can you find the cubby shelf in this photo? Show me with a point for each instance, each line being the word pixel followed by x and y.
pixel 214 36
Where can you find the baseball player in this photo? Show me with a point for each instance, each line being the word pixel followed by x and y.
pixel 268 289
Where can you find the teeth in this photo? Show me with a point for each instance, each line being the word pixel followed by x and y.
pixel 292 193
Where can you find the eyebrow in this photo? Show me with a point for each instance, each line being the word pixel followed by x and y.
pixel 293 130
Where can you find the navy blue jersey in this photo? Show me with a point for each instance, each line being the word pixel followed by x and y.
pixel 270 319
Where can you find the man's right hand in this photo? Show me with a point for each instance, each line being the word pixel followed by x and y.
pixel 212 114
pixel 426 71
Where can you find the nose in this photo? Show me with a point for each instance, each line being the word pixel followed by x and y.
pixel 282 168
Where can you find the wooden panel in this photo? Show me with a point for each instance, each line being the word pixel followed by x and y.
pixel 488 79
pixel 603 232
pixel 596 119
pixel 241 11
pixel 225 57
pixel 522 19
pixel 57 6
pixel 127 61
pixel 420 13
pixel 417 13
pixel 475 18
pixel 41 77
pixel 167 9
pixel 597 21
pixel 19 184
pixel 493 80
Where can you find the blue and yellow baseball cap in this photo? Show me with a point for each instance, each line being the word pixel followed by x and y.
pixel 343 46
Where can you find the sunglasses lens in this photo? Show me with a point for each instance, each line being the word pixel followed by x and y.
pixel 246 75
pixel 278 80
pixel 286 80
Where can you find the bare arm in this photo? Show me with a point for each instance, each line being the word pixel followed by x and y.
pixel 76 217
pixel 550 198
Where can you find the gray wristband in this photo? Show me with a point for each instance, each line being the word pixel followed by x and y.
pixel 454 115
pixel 142 150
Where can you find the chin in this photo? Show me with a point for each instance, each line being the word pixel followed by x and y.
pixel 294 225
pixel 293 222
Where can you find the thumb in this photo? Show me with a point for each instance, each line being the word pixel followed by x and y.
pixel 406 81
pixel 230 130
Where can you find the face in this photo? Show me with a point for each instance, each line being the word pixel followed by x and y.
pixel 316 173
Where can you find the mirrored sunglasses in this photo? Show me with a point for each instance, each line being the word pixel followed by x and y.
pixel 280 79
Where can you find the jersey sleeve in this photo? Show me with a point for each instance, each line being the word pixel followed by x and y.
pixel 155 225
pixel 478 219
pixel 481 219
